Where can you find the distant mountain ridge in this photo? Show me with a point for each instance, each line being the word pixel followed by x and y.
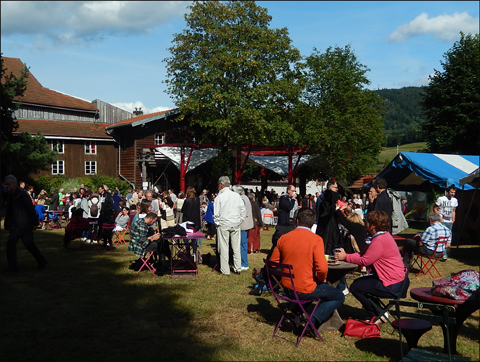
pixel 403 116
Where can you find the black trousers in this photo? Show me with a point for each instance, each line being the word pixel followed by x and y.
pixel 27 239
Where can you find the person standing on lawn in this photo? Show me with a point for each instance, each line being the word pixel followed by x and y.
pixel 446 206
pixel 229 213
pixel 20 220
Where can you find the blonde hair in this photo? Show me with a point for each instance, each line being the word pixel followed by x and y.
pixel 354 217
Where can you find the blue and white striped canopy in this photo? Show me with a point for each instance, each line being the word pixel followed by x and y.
pixel 410 171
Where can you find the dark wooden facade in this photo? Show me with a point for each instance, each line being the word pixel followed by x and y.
pixel 74 158
pixel 135 135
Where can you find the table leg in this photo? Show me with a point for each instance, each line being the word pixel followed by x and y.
pixel 334 323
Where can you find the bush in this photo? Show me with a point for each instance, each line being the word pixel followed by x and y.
pixel 48 182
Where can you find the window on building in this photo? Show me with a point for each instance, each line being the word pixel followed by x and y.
pixel 90 148
pixel 160 138
pixel 90 167
pixel 57 145
pixel 58 168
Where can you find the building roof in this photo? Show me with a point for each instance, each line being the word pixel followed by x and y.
pixel 144 118
pixel 37 94
pixel 362 181
pixel 63 128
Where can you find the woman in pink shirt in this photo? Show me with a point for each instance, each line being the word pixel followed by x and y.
pixel 384 257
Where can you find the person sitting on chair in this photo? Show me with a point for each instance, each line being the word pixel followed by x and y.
pixel 305 252
pixel 427 242
pixel 122 219
pixel 140 241
pixel 382 253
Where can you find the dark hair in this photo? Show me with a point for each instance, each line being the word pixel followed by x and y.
pixel 151 215
pixel 168 201
pixel 144 205
pixel 451 187
pixel 379 219
pixel 306 217
pixel 380 182
pixel 191 193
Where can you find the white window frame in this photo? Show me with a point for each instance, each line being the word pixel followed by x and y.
pixel 90 148
pixel 58 146
pixel 58 168
pixel 159 138
pixel 88 167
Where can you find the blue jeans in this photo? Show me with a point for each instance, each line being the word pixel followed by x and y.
pixel 449 225
pixel 244 248
pixel 332 298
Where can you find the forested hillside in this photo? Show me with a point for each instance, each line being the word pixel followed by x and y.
pixel 402 115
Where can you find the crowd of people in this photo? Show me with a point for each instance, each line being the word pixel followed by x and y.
pixel 307 228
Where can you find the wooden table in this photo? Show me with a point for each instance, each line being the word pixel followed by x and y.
pixel 335 273
pixel 462 310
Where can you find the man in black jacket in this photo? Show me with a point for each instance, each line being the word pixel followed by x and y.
pixel 20 220
pixel 284 225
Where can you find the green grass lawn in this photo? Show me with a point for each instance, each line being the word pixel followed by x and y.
pixel 88 306
pixel 388 153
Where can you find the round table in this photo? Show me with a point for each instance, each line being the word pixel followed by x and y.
pixel 463 309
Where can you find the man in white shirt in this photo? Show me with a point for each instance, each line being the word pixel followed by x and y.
pixel 229 213
pixel 445 206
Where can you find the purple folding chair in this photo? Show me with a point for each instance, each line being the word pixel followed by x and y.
pixel 286 270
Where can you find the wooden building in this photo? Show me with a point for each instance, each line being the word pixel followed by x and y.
pixel 138 162
pixel 73 126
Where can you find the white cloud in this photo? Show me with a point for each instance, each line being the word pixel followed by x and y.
pixel 130 107
pixel 70 22
pixel 445 27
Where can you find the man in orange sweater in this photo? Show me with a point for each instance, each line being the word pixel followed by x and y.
pixel 304 251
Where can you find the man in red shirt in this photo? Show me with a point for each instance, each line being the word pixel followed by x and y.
pixel 305 252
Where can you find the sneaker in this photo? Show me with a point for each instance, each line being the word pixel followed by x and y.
pixel 383 319
pixel 444 258
pixel 43 227
pixel 244 268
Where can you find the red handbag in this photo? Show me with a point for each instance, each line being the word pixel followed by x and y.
pixel 361 329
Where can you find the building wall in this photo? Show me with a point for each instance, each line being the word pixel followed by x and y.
pixel 74 158
pixel 111 114
pixel 52 114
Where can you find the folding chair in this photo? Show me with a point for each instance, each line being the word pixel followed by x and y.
pixel 286 270
pixel 146 262
pixel 56 219
pixel 383 308
pixel 430 259
pixel 119 237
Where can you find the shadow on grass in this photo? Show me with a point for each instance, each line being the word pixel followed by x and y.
pixel 87 306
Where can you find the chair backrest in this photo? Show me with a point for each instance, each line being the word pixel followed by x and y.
pixel 441 240
pixel 279 270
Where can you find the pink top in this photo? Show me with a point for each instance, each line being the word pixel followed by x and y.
pixel 384 255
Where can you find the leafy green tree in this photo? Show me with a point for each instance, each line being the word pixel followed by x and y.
pixel 340 119
pixel 234 75
pixel 24 153
pixel 451 100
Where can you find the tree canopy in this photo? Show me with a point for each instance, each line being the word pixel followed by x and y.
pixel 451 100
pixel 234 75
pixel 22 153
pixel 243 82
pixel 341 119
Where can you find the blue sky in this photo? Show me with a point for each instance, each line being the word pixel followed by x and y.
pixel 113 50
